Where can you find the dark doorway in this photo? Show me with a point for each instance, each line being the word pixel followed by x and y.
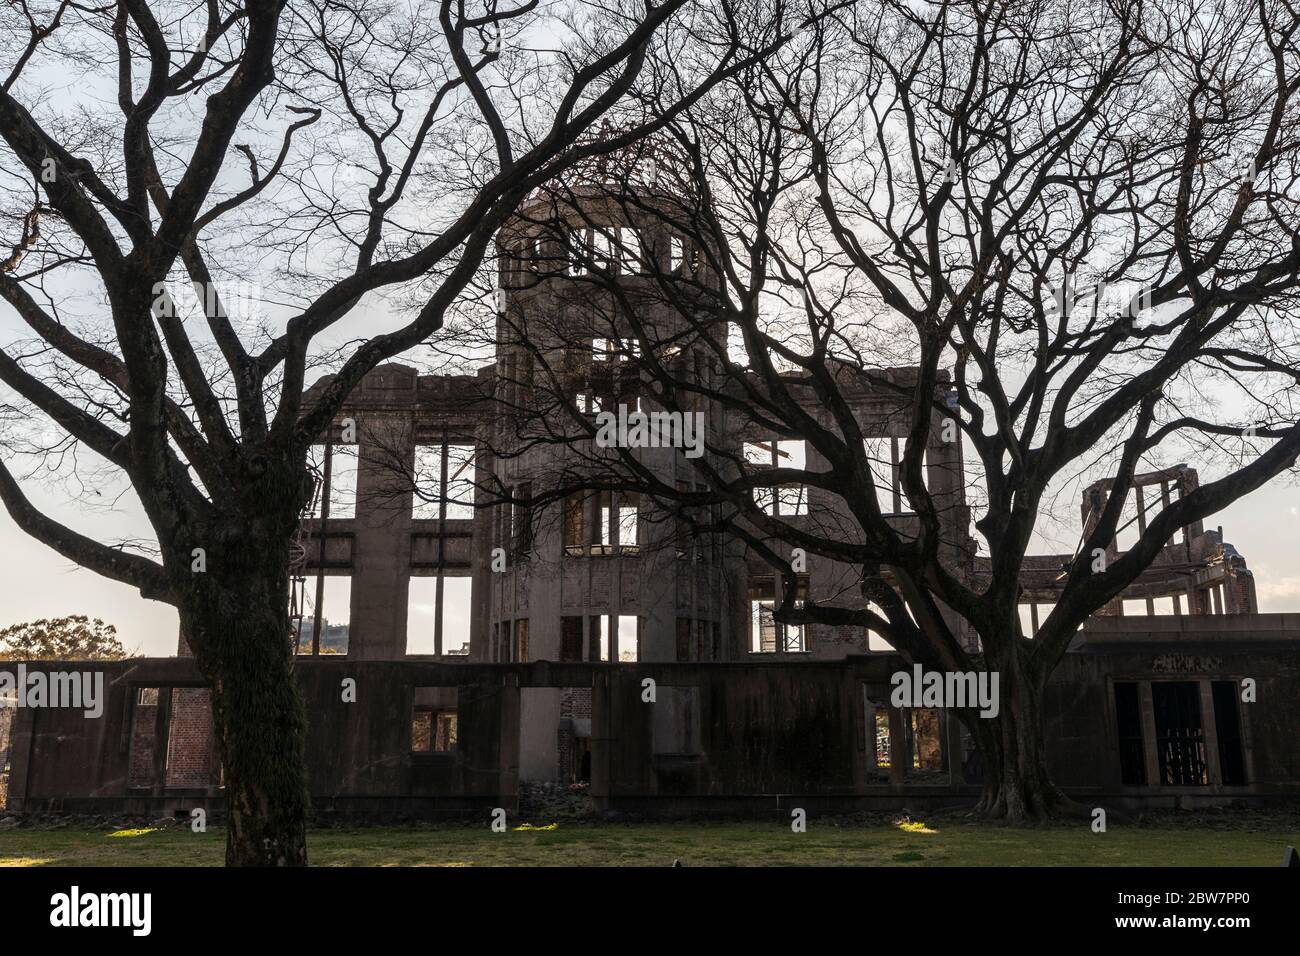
pixel 1227 724
pixel 1128 724
pixel 1180 741
pixel 583 752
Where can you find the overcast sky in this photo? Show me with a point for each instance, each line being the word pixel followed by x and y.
pixel 35 582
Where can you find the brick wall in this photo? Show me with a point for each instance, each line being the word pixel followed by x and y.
pixel 189 738
pixel 189 760
pixel 6 735
pixel 575 704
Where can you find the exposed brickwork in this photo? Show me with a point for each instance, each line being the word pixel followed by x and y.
pixel 6 735
pixel 575 704
pixel 189 743
pixel 581 702
pixel 189 738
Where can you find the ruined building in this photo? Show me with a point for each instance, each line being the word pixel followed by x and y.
pixel 493 646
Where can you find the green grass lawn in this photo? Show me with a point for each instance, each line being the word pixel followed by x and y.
pixel 694 844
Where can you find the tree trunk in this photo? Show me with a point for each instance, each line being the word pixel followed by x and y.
pixel 239 632
pixel 1017 785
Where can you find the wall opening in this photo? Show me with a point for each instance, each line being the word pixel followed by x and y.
pixel 767 635
pixel 327 613
pixel 435 723
pixel 789 499
pixel 142 760
pixel 884 459
pixel 880 729
pixel 618 516
pixel 1128 726
pixel 571 638
pixel 925 727
pixel 336 477
pixel 697 639
pixel 436 620
pixel 431 493
pixel 8 711
pixel 575 541
pixel 1227 727
pixel 614 637
pixel 1180 739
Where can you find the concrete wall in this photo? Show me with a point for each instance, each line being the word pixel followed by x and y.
pixel 737 736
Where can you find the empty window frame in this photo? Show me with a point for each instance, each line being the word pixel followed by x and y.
pixel 696 639
pixel 592 250
pixel 1128 726
pixel 615 637
pixel 876 642
pixel 619 515
pixel 1165 606
pixel 434 720
pixel 925 730
pixel 880 733
pixel 605 350
pixel 432 493
pixel 434 620
pixel 502 643
pixel 1183 729
pixel 538 253
pixel 521 640
pixel 885 459
pixel 1032 615
pixel 603 247
pixel 142 757
pixel 1180 737
pixel 632 257
pixel 767 635
pixel 1227 729
pixel 921 747
pixel 579 252
pixel 171 739
pixel 571 638
pixel 327 613
pixel 8 712
pixel 335 470
pixel 520 523
pixel 789 499
pixel 575 538
pixel 629 509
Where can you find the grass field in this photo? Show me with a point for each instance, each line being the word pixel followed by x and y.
pixel 694 844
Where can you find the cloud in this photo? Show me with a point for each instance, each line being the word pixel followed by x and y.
pixel 1278 594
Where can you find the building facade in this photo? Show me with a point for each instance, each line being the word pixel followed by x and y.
pixel 496 644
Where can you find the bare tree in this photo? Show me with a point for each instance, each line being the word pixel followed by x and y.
pixel 1074 227
pixel 351 162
